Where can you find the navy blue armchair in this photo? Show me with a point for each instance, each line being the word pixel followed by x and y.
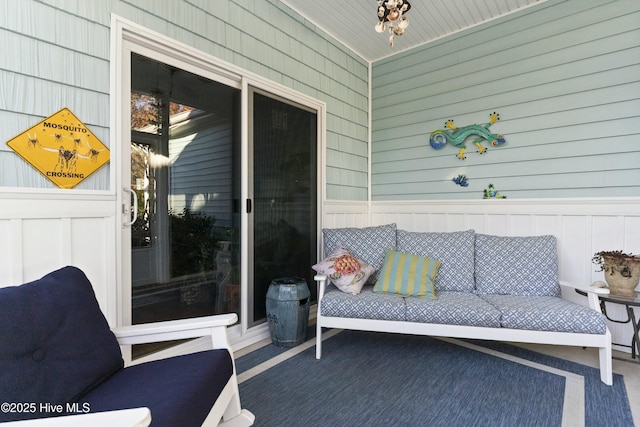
pixel 59 360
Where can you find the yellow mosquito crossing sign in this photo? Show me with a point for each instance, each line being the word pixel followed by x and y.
pixel 62 148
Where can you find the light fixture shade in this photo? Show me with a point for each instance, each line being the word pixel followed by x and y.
pixel 393 12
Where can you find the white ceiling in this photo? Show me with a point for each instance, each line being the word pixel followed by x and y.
pixel 352 22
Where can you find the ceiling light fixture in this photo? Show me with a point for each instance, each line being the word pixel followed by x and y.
pixel 391 13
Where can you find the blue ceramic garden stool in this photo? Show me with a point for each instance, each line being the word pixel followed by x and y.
pixel 288 311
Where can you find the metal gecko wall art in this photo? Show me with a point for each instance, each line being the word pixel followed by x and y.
pixel 457 136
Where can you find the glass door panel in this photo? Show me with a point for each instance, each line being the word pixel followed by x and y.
pixel 185 169
pixel 284 184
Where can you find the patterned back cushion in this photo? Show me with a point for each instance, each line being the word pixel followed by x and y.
pixel 368 244
pixel 454 251
pixel 524 266
pixel 407 274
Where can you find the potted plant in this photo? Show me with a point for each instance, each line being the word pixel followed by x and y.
pixel 621 271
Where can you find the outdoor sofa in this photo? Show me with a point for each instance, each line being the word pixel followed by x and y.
pixel 483 287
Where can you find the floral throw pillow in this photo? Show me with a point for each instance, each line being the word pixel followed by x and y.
pixel 345 271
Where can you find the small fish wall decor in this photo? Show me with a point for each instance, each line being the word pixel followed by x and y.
pixel 491 193
pixel 461 180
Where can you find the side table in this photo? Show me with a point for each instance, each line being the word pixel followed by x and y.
pixel 629 303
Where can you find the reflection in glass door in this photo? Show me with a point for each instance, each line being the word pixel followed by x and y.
pixel 185 169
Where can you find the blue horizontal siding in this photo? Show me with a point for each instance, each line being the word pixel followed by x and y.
pixel 58 56
pixel 565 79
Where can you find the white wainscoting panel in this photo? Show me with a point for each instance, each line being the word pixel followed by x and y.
pixel 338 214
pixel 581 226
pixel 42 232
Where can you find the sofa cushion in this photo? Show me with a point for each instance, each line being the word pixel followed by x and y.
pixel 545 313
pixel 366 305
pixel 56 343
pixel 367 243
pixel 454 250
pixel 345 271
pixel 179 390
pixel 453 308
pixel 510 265
pixel 407 274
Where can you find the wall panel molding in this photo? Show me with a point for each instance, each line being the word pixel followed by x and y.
pixel 42 232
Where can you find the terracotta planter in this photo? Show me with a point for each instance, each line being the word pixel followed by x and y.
pixel 622 274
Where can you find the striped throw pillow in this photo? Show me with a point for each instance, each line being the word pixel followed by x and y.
pixel 407 274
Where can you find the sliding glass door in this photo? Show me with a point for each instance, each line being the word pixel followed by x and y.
pixel 185 169
pixel 212 211
pixel 284 186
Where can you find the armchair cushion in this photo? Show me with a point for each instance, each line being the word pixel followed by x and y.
pixel 44 355
pixel 202 375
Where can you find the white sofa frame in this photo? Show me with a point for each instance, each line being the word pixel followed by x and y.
pixel 600 341
pixel 226 411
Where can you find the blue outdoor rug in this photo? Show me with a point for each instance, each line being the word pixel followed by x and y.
pixel 376 379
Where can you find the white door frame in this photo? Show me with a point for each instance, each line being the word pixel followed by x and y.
pixel 128 37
